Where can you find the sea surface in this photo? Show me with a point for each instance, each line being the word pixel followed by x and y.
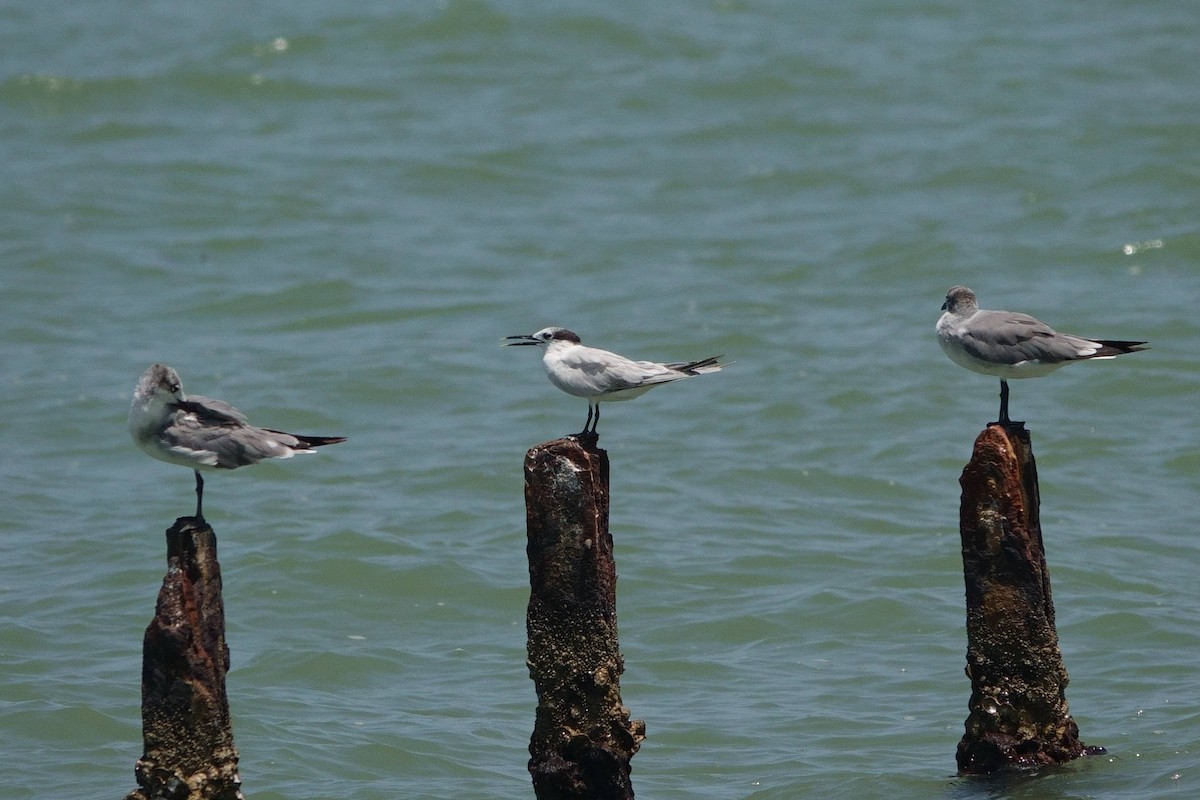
pixel 329 214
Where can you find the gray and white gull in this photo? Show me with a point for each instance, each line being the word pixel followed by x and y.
pixel 1006 344
pixel 203 433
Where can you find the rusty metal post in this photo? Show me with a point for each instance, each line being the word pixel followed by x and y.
pixel 1018 707
pixel 583 738
pixel 188 740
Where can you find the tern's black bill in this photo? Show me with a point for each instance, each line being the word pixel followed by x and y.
pixel 526 339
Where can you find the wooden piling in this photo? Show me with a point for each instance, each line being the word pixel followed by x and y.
pixel 583 738
pixel 1018 708
pixel 188 740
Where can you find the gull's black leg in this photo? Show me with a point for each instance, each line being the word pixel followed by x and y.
pixel 199 495
pixel 596 421
pixel 1004 420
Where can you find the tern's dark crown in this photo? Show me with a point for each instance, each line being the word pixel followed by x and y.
pixel 564 335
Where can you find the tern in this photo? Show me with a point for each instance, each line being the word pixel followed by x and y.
pixel 1006 344
pixel 600 375
pixel 203 433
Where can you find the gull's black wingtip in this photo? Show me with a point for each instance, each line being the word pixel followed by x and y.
pixel 319 441
pixel 1116 347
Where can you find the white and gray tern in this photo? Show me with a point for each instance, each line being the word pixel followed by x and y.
pixel 1005 344
pixel 203 433
pixel 600 375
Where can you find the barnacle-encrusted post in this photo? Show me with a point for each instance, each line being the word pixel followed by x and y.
pixel 188 740
pixel 1018 707
pixel 583 738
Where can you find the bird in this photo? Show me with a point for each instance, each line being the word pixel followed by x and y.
pixel 1006 344
pixel 203 433
pixel 600 375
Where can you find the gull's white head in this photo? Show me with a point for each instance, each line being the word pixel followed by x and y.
pixel 544 338
pixel 160 383
pixel 157 392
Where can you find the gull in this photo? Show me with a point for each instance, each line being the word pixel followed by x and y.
pixel 203 433
pixel 1006 344
pixel 601 375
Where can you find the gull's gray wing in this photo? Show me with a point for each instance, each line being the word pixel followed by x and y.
pixel 212 411
pixel 1006 337
pixel 218 435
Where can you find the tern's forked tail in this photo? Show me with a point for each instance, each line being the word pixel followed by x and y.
pixel 700 367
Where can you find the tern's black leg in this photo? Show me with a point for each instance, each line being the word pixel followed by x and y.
pixel 589 428
pixel 199 494
pixel 586 424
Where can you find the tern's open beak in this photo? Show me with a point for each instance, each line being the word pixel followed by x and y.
pixel 523 339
